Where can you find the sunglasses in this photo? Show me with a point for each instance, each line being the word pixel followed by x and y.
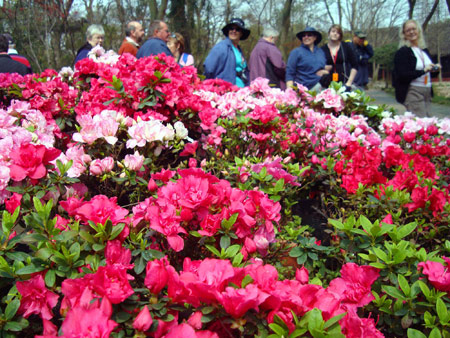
pixel 235 28
pixel 308 34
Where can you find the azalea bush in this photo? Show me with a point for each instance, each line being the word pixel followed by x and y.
pixel 139 200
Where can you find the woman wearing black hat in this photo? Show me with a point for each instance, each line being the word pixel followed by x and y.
pixel 225 60
pixel 307 63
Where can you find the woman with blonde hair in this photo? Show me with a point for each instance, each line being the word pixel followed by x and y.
pixel 176 46
pixel 412 67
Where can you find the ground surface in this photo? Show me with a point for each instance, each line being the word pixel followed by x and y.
pixel 383 98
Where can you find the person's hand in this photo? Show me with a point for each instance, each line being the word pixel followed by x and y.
pixel 366 43
pixel 322 72
pixel 432 68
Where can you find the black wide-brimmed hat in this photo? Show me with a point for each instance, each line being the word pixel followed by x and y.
pixel 237 22
pixel 310 30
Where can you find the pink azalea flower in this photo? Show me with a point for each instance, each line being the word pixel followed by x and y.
pixel 156 276
pixel 437 274
pixel 112 281
pixel 237 302
pixel 143 320
pixel 13 202
pixel 36 298
pixel 133 162
pixel 87 322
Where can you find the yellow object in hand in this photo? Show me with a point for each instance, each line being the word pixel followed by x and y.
pixel 366 43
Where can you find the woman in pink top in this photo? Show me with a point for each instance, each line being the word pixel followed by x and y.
pixel 176 46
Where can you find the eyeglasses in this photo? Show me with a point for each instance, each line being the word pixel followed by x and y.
pixel 235 28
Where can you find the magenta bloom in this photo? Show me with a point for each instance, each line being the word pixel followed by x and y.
pixel 354 287
pixel 112 282
pixel 88 323
pixel 36 298
pixel 143 320
pixel 438 275
pixel 156 277
pixel 30 160
pixel 238 301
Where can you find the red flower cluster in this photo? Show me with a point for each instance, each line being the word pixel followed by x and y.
pixel 200 201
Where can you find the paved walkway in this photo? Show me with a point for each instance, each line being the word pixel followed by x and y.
pixel 382 97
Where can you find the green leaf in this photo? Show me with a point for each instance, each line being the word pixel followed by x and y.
pixel 279 330
pixel 404 285
pixel 139 265
pixel 224 241
pixel 365 223
pixel 122 317
pixel 435 333
pixel 116 230
pixel 336 224
pixel 50 278
pixel 393 292
pixel 13 326
pixel 441 310
pixel 29 269
pixel 213 250
pixel 406 230
pixel 330 322
pixel 11 309
pixel 246 280
pixel 232 250
pixel 412 333
pixel 17 256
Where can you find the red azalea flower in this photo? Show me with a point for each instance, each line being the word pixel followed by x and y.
pixel 13 202
pixel 30 160
pixel 112 282
pixel 237 302
pixel 36 298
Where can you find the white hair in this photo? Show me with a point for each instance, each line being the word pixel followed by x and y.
pixel 269 32
pixel 94 29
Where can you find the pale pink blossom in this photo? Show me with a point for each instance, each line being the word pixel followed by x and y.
pixel 133 162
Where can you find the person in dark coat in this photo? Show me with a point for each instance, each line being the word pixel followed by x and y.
pixel 266 60
pixel 363 51
pixel 412 67
pixel 7 64
pixel 225 60
pixel 15 54
pixel 341 57
pixel 95 35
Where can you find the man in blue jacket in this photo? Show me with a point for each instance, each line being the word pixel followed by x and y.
pixel 225 60
pixel 157 44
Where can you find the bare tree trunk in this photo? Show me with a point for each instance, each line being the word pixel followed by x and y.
pixel 429 16
pixel 286 24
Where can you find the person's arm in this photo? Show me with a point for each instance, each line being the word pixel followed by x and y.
pixel 290 68
pixel 211 63
pixel 369 50
pixel 351 77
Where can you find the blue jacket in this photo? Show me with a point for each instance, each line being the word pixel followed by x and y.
pixel 153 46
pixel 303 64
pixel 221 63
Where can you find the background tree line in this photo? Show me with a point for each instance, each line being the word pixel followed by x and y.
pixel 49 32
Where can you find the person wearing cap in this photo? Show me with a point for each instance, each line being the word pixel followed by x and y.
pixel 133 37
pixel 225 60
pixel 363 51
pixel 95 34
pixel 157 43
pixel 7 64
pixel 307 64
pixel 266 60
pixel 14 54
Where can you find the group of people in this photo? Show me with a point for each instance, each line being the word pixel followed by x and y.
pixel 160 41
pixel 309 65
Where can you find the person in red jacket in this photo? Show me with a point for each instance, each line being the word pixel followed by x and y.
pixel 134 34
